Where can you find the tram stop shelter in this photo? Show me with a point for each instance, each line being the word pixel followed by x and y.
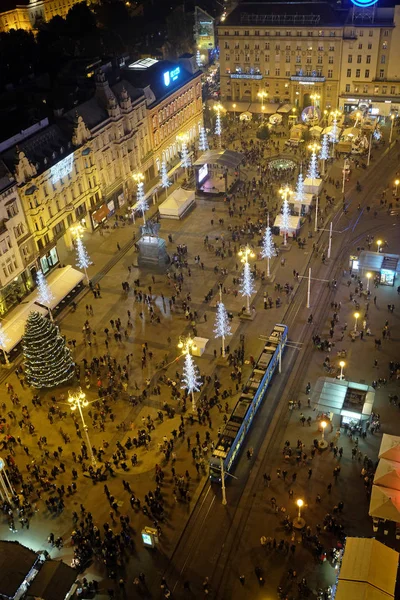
pixel 352 402
pixel 385 266
pixel 368 571
pixel 217 170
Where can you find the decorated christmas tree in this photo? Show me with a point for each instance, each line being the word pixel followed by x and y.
pixel 191 378
pixel 299 195
pixel 312 172
pixel 324 152
pixel 222 325
pixel 285 220
pixel 203 141
pixel 268 247
pixel 165 182
pixel 247 288
pixel 186 162
pixel 83 259
pixel 47 360
pixel 141 201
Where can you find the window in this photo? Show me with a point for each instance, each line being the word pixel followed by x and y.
pixel 381 73
pixel 347 87
pixel 277 47
pixel 383 59
pixel 298 59
pixel 266 58
pixel 227 57
pixel 384 89
pixel 368 60
pixel 358 58
pixel 277 33
pixel 369 46
pixel 330 73
pixel 277 57
pixel 287 59
pixel 287 73
pixel 361 33
pixel 267 71
pixel 392 89
pixel 370 32
pixel 277 72
pixel 288 33
pixel 356 89
pixel 59 228
pixel 237 46
pixel 366 73
pixel 256 58
pixel 247 46
pixel 348 73
pixel 319 60
pixel 266 47
pixel 360 46
pixel 365 89
pixel 246 32
pixel 358 72
pixel 332 34
pixel 331 48
pixel 350 58
pixel 236 33
pixel 256 46
pixel 70 220
pixel 298 33
pixel 257 32
pixel 330 60
pixel 386 33
pixel 287 47
pixel 320 48
pixel 309 33
pixel 376 89
pixel 237 57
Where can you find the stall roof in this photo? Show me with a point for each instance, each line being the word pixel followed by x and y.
pixel 357 590
pixel 385 503
pixel 15 563
pixel 285 108
pixel 269 108
pixel 294 222
pixel 387 474
pixel 53 581
pixel 369 561
pixel 390 447
pixel 224 158
pixel 330 395
pixel 375 261
pixel 61 282
pixel 14 323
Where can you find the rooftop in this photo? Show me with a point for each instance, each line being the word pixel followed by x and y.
pixel 285 13
pixel 15 563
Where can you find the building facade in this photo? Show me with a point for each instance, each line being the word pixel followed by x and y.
pixel 302 49
pixel 26 16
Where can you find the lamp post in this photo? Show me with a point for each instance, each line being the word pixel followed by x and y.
pixel 368 276
pixel 369 150
pixel 314 149
pixel 78 400
pixel 299 522
pixel 322 444
pixel 263 94
pixel 285 192
pixel 335 114
pixel 248 287
pixel 314 98
pixel 341 364
pixel 379 243
pixel 234 111
pixel 396 183
pixel 391 128
pixel 356 316
pixel 141 201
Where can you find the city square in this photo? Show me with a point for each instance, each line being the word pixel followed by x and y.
pixel 127 448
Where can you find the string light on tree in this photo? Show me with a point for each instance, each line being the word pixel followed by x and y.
pixel 247 288
pixel 165 182
pixel 203 141
pixel 334 133
pixel 300 195
pixel 141 202
pixel 198 59
pixel 190 377
pixel 218 124
pixel 45 295
pixel 285 211
pixel 4 339
pixel 47 360
pixel 268 247
pixel 312 172
pixel 324 152
pixel 83 260
pixel 222 326
pixel 185 158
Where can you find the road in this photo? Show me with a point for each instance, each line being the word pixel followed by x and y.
pixel 212 538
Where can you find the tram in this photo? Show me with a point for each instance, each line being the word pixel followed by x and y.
pixel 234 433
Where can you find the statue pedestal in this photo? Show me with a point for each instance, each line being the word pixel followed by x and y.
pixel 153 253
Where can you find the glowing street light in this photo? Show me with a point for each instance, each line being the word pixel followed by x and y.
pixel 314 98
pixel 234 111
pixel 356 316
pixel 299 522
pixel 368 276
pixel 263 94
pixel 78 400
pixel 379 244
pixel 391 128
pixel 396 183
pixel 341 364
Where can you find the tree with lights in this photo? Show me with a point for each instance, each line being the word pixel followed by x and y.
pixel 285 220
pixel 198 59
pixel 222 326
pixel 218 128
pixel 324 152
pixel 186 162
pixel 268 247
pixel 300 195
pixel 83 259
pixel 47 360
pixel 141 202
pixel 203 141
pixel 247 288
pixel 45 295
pixel 190 378
pixel 165 182
pixel 312 172
pixel 3 341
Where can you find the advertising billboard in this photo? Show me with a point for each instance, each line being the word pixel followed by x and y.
pixel 204 30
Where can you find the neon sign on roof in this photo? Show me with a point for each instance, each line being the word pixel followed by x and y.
pixel 364 3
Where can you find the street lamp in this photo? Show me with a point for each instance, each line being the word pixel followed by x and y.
pixel 379 243
pixel 358 116
pixel 391 128
pixel 234 111
pixel 285 192
pixel 78 400
pixel 314 98
pixel 341 364
pixel 263 94
pixel 335 114
pixel 314 149
pixel 368 276
pixel 322 444
pixel 245 254
pixel 356 316
pixel 396 183
pixel 299 523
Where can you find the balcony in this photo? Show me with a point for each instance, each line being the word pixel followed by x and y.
pixel 314 78
pixel 246 76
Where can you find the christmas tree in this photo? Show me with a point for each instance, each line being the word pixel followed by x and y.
pixel 45 295
pixel 198 59
pixel 218 129
pixel 165 182
pixel 203 141
pixel 141 201
pixel 191 378
pixel 299 195
pixel 324 152
pixel 83 259
pixel 47 360
pixel 312 172
pixel 247 288
pixel 222 325
pixel 285 220
pixel 185 156
pixel 268 248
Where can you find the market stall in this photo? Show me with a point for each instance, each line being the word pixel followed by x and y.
pixel 294 225
pixel 316 132
pixel 177 204
pixel 387 474
pixel 275 119
pixel 390 447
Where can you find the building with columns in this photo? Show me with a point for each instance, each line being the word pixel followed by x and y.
pixel 342 56
pixel 23 15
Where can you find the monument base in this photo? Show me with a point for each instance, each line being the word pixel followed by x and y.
pixel 153 253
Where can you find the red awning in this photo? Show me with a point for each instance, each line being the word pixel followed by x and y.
pixel 101 213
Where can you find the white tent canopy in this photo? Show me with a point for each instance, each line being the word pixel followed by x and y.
pixel 365 560
pixel 387 474
pixel 61 283
pixel 385 503
pixel 390 447
pixel 176 205
pixel 285 108
pixel 14 323
pixel 316 130
pixel 356 590
pixel 246 116
pixel 294 224
pixel 275 119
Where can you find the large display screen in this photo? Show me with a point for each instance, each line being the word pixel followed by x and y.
pixel 203 172
pixel 62 169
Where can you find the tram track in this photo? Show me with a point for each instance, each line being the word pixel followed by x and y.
pixel 232 520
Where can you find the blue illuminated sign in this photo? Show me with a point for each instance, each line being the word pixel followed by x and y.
pixel 171 76
pixel 364 3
